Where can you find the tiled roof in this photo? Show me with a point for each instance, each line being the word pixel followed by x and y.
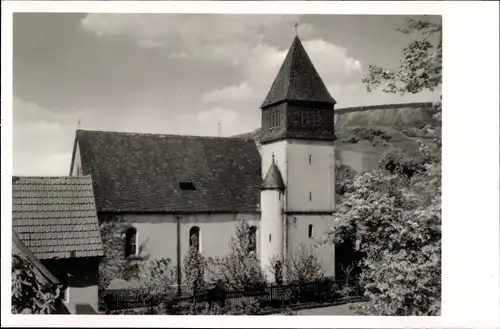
pixel 297 80
pixel 55 217
pixel 19 248
pixel 273 179
pixel 141 172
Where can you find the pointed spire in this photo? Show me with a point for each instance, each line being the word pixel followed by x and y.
pixel 273 179
pixel 298 80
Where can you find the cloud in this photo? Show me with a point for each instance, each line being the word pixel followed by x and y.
pixel 242 42
pixel 170 30
pixel 261 63
pixel 42 139
pixel 242 91
pixel 178 55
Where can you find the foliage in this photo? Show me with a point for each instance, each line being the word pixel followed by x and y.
pixel 304 266
pixel 343 179
pixel 374 135
pixel 421 67
pixel 304 273
pixel 290 312
pixel 397 218
pixel 114 265
pixel 194 268
pixel 29 294
pixel 155 286
pixel 240 269
pixel 245 306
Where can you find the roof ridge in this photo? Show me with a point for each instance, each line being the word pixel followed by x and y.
pixel 160 135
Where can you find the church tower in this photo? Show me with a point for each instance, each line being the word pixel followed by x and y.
pixel 297 137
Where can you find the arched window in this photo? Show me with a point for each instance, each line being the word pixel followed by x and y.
pixel 252 232
pixel 310 230
pixel 194 236
pixel 131 242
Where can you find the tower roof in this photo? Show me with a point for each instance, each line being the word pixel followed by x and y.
pixel 273 179
pixel 298 80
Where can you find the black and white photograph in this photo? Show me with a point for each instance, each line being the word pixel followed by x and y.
pixel 227 164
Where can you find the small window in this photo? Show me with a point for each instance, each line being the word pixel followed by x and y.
pixel 316 119
pixel 310 119
pixel 274 119
pixel 194 237
pixel 305 119
pixel 310 230
pixel 78 170
pixel 131 242
pixel 187 186
pixel 269 237
pixel 252 232
pixel 310 158
pixel 310 196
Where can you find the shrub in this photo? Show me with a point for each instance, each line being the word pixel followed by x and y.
pixel 245 306
pixel 240 269
pixel 155 286
pixel 29 295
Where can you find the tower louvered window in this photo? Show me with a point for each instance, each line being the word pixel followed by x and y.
pixel 310 119
pixel 274 119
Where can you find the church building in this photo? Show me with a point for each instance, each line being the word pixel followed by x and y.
pixel 170 187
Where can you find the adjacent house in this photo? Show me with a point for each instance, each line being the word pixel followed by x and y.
pixel 54 222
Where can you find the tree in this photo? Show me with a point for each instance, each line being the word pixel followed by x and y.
pixel 155 286
pixel 194 268
pixel 397 218
pixel 304 266
pixel 303 272
pixel 421 68
pixel 29 294
pixel 114 264
pixel 343 179
pixel 240 269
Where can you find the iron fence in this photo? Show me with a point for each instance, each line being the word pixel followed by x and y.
pixel 272 296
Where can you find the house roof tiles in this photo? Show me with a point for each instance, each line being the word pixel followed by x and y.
pixel 55 217
pixel 135 172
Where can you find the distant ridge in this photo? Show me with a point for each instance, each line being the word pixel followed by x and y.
pixel 383 115
pixel 363 155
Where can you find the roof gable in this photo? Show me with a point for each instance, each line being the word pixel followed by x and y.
pixel 141 172
pixel 43 273
pixel 297 80
pixel 55 217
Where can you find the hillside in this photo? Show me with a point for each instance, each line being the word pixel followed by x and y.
pixel 366 133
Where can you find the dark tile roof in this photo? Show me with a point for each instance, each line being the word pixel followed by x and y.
pixel 273 179
pixel 55 217
pixel 18 247
pixel 297 80
pixel 141 172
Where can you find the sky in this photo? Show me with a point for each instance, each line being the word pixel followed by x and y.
pixel 176 73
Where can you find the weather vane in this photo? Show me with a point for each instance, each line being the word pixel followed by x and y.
pixel 79 123
pixel 296 25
